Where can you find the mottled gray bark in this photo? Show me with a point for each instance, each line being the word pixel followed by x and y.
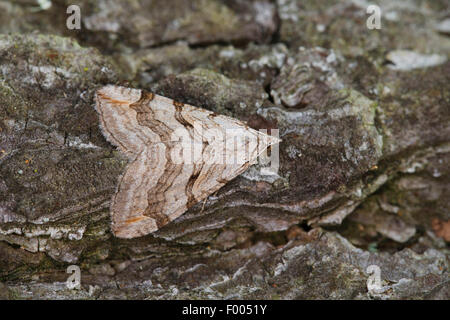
pixel 364 164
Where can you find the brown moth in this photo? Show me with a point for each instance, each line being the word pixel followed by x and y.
pixel 179 155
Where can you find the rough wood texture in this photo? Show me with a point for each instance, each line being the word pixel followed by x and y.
pixel 179 155
pixel 364 176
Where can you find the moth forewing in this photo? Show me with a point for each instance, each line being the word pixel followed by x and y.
pixel 179 155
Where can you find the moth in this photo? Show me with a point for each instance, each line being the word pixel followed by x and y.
pixel 179 155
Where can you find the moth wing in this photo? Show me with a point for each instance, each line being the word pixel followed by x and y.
pixel 227 147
